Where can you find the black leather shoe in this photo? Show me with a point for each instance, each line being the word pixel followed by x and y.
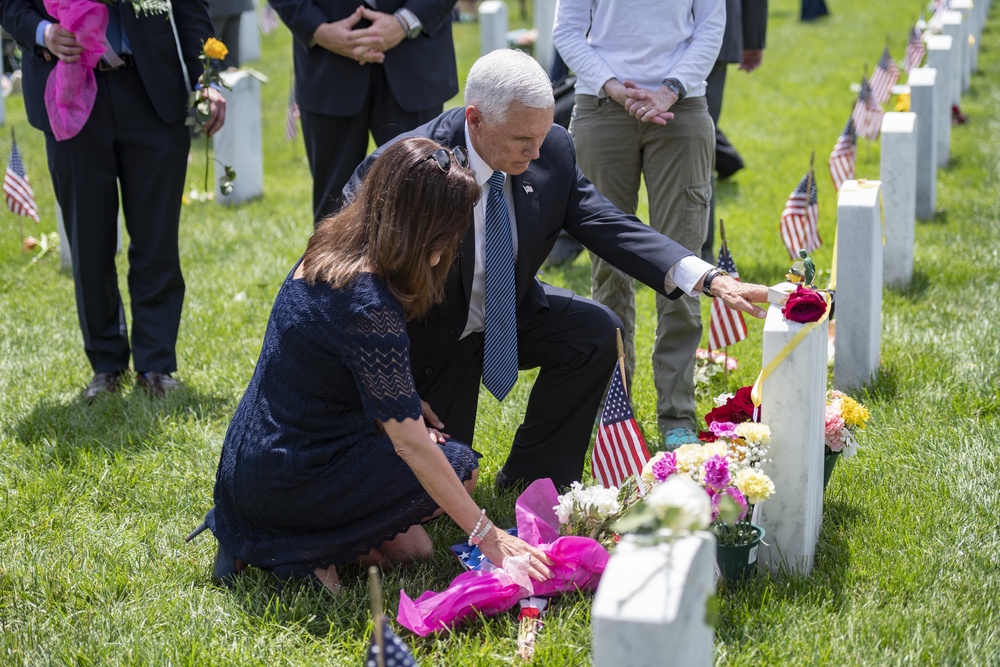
pixel 226 568
pixel 102 383
pixel 157 384
pixel 505 484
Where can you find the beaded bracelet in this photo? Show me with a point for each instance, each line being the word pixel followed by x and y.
pixel 481 535
pixel 475 531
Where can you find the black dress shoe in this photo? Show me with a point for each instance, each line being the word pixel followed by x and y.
pixel 226 568
pixel 157 384
pixel 102 383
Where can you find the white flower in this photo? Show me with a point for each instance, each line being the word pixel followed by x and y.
pixel 850 444
pixel 586 503
pixel 721 399
pixel 691 507
pixel 754 432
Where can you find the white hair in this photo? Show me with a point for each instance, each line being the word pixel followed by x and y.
pixel 505 76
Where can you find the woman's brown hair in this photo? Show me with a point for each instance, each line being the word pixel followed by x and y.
pixel 407 209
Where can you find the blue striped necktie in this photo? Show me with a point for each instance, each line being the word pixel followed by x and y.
pixel 500 345
pixel 114 31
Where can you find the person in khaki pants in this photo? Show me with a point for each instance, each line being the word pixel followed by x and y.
pixel 641 114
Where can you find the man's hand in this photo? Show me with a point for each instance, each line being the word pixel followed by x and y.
pixel 217 111
pixel 650 106
pixel 384 33
pixel 752 58
pixel 739 296
pixel 339 37
pixel 432 419
pixel 62 43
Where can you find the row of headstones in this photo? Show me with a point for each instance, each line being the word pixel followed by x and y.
pixel 650 607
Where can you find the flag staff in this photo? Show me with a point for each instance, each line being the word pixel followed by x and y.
pixel 20 218
pixel 621 358
pixel 375 595
pixel 809 180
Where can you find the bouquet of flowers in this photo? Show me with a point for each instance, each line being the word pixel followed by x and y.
pixel 728 469
pixel 145 6
pixel 844 417
pixel 671 509
pixel 708 364
pixel 586 510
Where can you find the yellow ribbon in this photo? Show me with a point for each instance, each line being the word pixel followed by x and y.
pixel 785 351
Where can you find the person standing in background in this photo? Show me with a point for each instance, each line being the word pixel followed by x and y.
pixel 134 137
pixel 383 67
pixel 743 43
pixel 641 114
pixel 226 15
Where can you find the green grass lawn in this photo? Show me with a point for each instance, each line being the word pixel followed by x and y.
pixel 96 499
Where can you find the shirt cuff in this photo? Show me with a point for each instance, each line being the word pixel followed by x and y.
pixel 685 274
pixel 40 32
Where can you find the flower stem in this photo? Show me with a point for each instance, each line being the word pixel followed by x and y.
pixel 206 164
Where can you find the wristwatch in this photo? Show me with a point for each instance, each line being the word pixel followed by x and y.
pixel 706 285
pixel 411 24
pixel 677 87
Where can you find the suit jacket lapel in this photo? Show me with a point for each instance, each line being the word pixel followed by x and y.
pixel 526 212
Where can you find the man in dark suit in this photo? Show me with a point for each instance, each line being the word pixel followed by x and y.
pixel 134 137
pixel 507 127
pixel 742 42
pixel 386 66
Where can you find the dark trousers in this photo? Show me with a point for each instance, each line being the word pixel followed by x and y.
pixel 336 145
pixel 124 142
pixel 573 346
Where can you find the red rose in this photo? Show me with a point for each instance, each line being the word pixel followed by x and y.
pixel 804 305
pixel 737 409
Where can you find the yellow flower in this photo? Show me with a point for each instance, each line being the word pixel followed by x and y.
pixel 755 485
pixel 754 432
pixel 215 49
pixel 903 102
pixel 854 413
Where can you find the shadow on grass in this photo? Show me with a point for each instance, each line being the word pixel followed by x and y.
pixel 64 427
pixel 884 386
pixel 917 288
pixel 940 218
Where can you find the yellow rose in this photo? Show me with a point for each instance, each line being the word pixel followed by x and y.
pixel 215 49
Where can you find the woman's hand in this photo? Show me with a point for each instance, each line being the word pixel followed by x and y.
pixel 500 544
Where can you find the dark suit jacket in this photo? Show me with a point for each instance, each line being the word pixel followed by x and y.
pixel 421 72
pixel 150 38
pixel 746 28
pixel 550 196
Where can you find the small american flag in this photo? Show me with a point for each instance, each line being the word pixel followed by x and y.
pixel 884 77
pixel 619 450
pixel 394 652
pixel 291 115
pixel 728 326
pixel 915 50
pixel 800 219
pixel 867 113
pixel 844 156
pixel 267 20
pixel 20 196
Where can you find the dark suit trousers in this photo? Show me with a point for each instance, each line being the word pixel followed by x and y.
pixel 336 145
pixel 573 345
pixel 124 141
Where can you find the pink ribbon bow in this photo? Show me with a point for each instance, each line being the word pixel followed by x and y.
pixel 72 88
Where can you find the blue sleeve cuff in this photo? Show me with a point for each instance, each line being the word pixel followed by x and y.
pixel 40 32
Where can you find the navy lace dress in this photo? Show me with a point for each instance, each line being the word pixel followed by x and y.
pixel 305 479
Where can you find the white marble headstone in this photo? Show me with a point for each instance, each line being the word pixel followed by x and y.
pixel 939 57
pixel 649 610
pixel 238 144
pixel 964 7
pixel 545 16
pixel 492 26
pixel 953 26
pixel 899 186
pixel 794 407
pixel 924 103
pixel 249 36
pixel 858 309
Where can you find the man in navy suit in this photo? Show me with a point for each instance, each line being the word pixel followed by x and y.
pixel 135 137
pixel 383 67
pixel 506 126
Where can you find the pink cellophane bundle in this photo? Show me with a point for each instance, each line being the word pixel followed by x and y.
pixel 578 563
pixel 71 88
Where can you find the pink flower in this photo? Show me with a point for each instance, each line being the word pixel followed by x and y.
pixel 723 429
pixel 665 466
pixel 736 495
pixel 834 429
pixel 717 473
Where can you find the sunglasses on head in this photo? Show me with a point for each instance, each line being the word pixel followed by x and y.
pixel 443 157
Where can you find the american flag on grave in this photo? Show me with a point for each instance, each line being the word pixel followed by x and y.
pixel 619 450
pixel 884 77
pixel 844 156
pixel 867 113
pixel 291 114
pixel 268 19
pixel 915 50
pixel 728 326
pixel 20 196
pixel 800 219
pixel 394 652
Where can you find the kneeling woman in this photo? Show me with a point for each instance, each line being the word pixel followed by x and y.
pixel 328 459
